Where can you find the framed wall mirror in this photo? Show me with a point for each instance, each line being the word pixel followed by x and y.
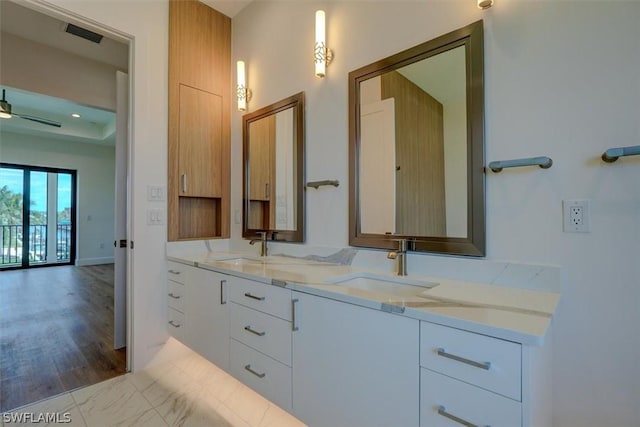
pixel 273 157
pixel 416 147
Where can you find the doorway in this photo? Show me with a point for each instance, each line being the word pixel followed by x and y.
pixel 27 362
pixel 37 216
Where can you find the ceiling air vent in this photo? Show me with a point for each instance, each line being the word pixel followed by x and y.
pixel 84 33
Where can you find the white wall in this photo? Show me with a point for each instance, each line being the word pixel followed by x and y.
pixel 563 80
pixel 41 69
pixel 95 180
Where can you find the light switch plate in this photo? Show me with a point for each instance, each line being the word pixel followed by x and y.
pixel 155 193
pixel 155 216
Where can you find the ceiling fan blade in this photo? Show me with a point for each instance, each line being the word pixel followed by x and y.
pixel 39 120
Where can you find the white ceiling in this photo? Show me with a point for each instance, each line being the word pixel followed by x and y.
pixel 93 126
pixel 228 7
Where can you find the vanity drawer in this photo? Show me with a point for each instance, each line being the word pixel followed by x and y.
pixel 176 323
pixel 175 295
pixel 260 296
pixel 268 334
pixel 442 397
pixel 266 376
pixel 487 362
pixel 176 271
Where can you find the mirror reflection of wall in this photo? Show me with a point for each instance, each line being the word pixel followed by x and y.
pixel 285 194
pixel 415 183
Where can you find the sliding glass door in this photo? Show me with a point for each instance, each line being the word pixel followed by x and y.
pixel 37 216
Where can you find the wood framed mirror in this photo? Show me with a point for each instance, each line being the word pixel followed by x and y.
pixel 416 147
pixel 273 157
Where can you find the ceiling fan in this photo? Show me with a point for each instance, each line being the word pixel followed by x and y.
pixel 6 113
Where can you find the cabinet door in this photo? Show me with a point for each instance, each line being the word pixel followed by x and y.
pixel 206 316
pixel 354 366
pixel 200 143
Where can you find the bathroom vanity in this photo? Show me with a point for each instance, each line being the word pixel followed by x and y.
pixel 341 346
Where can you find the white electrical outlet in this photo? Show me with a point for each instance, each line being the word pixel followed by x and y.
pixel 576 214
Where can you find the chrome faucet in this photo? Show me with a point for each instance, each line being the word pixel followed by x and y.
pixel 400 256
pixel 263 242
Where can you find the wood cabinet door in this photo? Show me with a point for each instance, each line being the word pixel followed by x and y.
pixel 354 366
pixel 200 143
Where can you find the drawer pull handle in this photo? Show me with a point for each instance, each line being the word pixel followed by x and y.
pixel 222 299
pixel 294 324
pixel 443 411
pixel 175 325
pixel 482 365
pixel 253 331
pixel 249 295
pixel 248 368
pixel 174 272
pixel 174 296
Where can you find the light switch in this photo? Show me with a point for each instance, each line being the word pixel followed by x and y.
pixel 155 216
pixel 155 193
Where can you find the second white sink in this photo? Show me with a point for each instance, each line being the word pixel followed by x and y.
pixel 396 286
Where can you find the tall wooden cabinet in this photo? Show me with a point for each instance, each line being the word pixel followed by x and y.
pixel 199 121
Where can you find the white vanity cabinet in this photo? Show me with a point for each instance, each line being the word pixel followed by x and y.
pixel 260 338
pixel 198 314
pixel 475 380
pixel 353 366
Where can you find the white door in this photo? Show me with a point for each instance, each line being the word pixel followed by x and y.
pixel 120 234
pixel 378 167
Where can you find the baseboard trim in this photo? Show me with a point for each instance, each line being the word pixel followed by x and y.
pixel 94 261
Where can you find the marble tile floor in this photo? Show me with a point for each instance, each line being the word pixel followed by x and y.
pixel 188 391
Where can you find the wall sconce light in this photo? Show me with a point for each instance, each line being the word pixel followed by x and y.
pixel 484 4
pixel 243 93
pixel 322 54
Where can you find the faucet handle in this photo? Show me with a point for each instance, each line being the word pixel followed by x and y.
pixel 262 234
pixel 402 244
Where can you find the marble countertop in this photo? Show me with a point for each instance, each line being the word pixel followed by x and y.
pixel 519 315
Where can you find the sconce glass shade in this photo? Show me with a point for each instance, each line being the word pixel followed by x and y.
pixel 322 55
pixel 242 86
pixel 484 4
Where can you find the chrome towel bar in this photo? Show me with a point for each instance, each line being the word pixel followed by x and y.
pixel 543 162
pixel 316 184
pixel 613 154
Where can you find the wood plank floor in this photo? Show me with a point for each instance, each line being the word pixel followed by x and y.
pixel 56 332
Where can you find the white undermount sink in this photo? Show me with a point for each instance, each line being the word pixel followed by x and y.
pixel 240 260
pixel 397 286
pixel 271 260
